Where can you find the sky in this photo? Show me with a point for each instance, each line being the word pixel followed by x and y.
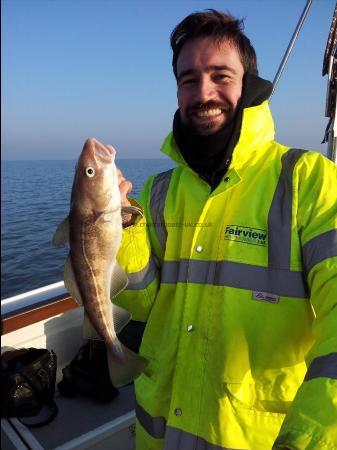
pixel 73 69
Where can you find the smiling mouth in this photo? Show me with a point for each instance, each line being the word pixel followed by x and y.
pixel 208 112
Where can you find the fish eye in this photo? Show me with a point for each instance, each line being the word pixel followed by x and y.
pixel 90 171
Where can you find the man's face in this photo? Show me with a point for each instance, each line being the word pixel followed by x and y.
pixel 209 77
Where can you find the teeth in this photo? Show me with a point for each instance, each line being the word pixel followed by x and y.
pixel 209 112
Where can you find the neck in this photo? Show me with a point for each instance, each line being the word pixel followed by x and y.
pixel 203 153
pixel 209 156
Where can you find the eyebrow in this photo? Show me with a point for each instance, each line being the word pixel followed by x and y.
pixel 208 69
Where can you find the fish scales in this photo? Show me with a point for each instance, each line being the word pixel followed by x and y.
pixel 90 257
pixel 92 274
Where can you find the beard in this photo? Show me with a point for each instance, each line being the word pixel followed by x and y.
pixel 209 125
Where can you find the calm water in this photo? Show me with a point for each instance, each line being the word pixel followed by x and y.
pixel 35 198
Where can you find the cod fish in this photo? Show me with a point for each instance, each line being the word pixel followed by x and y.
pixel 92 274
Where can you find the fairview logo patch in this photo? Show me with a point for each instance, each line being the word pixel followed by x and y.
pixel 247 235
pixel 265 297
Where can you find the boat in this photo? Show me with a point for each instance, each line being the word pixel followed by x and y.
pixel 50 318
pixel 330 69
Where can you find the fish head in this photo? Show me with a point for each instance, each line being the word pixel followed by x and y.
pixel 95 187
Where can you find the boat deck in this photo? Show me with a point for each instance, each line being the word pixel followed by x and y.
pixel 81 423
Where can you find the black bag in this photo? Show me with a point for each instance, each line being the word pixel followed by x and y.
pixel 28 377
pixel 88 374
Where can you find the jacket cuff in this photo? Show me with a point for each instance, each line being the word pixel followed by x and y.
pixel 135 217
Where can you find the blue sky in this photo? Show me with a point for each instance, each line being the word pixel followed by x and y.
pixel 79 68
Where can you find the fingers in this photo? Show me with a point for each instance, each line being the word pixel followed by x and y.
pixel 123 183
pixel 120 176
pixel 125 188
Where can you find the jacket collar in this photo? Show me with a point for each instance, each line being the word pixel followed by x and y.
pixel 257 129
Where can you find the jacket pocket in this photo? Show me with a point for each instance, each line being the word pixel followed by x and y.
pixel 150 371
pixel 259 399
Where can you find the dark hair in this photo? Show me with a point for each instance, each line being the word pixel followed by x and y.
pixel 218 25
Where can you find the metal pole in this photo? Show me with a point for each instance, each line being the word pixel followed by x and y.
pixel 290 46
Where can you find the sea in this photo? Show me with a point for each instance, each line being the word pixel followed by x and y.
pixel 35 198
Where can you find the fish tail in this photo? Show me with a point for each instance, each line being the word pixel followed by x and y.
pixel 124 364
pixel 115 349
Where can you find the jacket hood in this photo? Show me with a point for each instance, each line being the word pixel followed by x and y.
pixel 257 128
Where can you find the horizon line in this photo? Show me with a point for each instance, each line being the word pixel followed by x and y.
pixel 51 160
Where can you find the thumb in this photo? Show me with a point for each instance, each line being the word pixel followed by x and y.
pixel 125 188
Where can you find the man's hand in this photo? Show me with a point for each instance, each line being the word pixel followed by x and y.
pixel 125 187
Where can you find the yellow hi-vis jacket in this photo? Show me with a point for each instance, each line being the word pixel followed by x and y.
pixel 239 291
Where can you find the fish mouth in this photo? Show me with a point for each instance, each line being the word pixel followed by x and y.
pixel 105 153
pixel 102 154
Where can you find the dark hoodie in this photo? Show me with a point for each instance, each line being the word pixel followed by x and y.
pixel 210 156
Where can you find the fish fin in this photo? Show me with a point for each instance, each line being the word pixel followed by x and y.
pixel 120 317
pixel 124 364
pixel 119 280
pixel 70 281
pixel 132 210
pixel 61 235
pixel 88 330
pixel 70 284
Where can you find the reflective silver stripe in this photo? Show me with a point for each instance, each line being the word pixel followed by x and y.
pixel 157 203
pixel 155 426
pixel 176 439
pixel 319 248
pixel 323 366
pixel 142 279
pixel 237 275
pixel 280 213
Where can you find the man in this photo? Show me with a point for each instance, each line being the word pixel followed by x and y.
pixel 233 266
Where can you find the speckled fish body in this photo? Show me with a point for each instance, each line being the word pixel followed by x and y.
pixel 92 274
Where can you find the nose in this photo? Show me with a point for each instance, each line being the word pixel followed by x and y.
pixel 205 90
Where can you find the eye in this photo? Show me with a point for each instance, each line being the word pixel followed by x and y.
pixel 221 77
pixel 90 172
pixel 188 81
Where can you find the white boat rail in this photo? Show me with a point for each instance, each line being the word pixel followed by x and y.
pixel 32 299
